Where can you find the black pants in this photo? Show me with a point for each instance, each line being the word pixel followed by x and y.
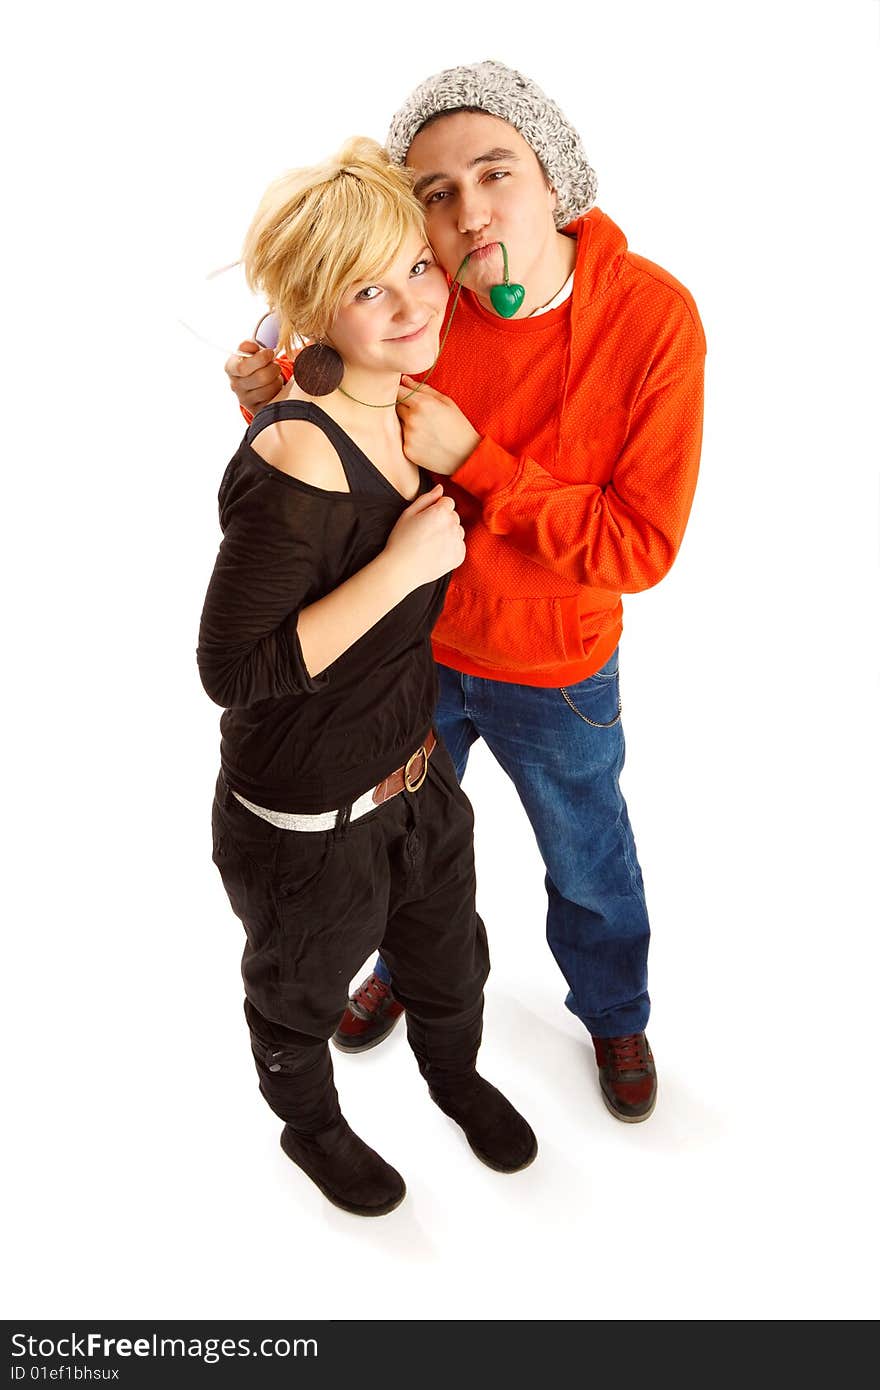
pixel 316 904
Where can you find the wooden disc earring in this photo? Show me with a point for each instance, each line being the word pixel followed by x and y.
pixel 318 369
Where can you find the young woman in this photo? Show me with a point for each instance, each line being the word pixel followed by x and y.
pixel 338 821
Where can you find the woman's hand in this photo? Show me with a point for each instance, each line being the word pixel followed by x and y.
pixel 436 435
pixel 427 540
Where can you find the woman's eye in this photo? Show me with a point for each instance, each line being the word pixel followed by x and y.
pixel 420 267
pixel 369 293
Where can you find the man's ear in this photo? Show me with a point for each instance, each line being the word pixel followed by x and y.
pixel 554 197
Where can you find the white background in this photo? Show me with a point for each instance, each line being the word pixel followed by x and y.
pixel 734 146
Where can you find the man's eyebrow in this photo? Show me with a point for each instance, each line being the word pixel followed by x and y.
pixel 490 157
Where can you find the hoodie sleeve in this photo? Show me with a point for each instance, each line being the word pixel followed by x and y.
pixel 625 534
pixel 249 648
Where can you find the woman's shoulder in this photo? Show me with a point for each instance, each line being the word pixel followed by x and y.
pixel 300 447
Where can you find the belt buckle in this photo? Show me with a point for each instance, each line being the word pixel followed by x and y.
pixel 414 786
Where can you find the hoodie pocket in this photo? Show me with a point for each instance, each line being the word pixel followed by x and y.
pixel 512 634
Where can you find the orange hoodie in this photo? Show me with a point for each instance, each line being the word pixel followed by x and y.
pixel 580 490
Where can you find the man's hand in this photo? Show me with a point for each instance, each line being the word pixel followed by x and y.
pixel 255 379
pixel 436 435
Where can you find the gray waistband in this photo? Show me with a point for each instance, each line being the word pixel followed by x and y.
pixel 323 820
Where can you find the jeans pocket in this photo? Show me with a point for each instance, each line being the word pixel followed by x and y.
pixel 597 699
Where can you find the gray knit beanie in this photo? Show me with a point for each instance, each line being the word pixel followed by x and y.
pixel 500 91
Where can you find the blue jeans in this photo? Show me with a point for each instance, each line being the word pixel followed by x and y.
pixel 564 750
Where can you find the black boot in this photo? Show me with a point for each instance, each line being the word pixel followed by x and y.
pixel 446 1051
pixel 296 1078
pixel 350 1174
pixel 496 1132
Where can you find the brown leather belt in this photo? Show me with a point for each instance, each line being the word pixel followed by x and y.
pixel 410 776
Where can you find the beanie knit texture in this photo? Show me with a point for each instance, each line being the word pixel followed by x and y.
pixel 503 92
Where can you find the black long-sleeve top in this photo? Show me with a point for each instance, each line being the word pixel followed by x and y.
pixel 291 742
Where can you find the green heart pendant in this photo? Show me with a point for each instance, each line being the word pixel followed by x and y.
pixel 506 299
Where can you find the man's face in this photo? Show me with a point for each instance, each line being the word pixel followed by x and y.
pixel 481 183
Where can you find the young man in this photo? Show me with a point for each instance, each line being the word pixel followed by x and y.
pixel 569 437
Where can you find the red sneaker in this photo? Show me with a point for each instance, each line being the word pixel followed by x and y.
pixel 370 1016
pixel 627 1076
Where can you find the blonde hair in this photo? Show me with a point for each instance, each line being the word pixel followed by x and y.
pixel 318 231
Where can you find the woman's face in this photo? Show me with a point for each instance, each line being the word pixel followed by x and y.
pixel 392 324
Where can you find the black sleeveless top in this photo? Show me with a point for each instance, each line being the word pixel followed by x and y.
pixel 289 741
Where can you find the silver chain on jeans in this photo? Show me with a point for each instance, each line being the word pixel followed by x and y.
pixel 592 722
